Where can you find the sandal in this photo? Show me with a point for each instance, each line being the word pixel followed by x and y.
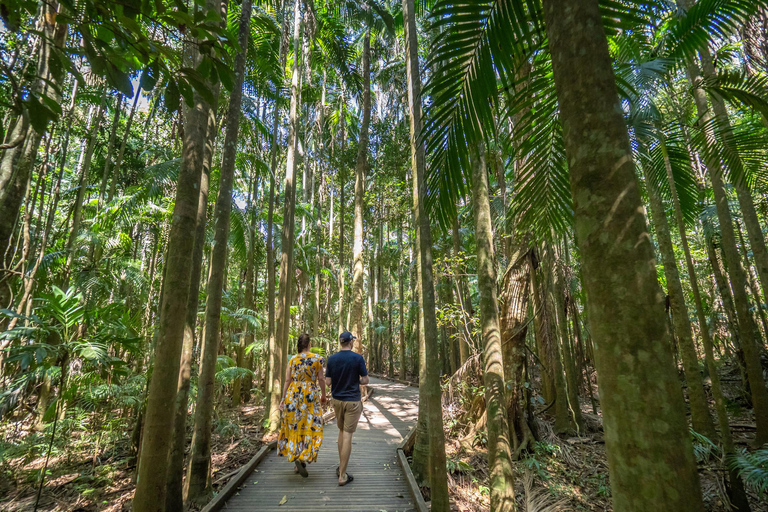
pixel 301 468
pixel 350 479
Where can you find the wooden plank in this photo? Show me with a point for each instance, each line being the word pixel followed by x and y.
pixel 380 482
pixel 399 381
pixel 413 486
pixel 218 501
pixel 407 443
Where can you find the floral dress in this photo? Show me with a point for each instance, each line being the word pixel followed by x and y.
pixel 301 430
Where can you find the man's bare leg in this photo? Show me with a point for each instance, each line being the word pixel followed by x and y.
pixel 345 450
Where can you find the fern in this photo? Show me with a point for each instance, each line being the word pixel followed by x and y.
pixel 752 468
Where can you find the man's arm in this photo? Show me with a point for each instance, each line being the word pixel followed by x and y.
pixel 363 373
pixel 328 381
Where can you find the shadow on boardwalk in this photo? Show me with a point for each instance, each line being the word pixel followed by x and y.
pixel 379 484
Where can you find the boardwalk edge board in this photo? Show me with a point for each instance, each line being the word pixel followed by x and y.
pixel 405 445
pixel 217 503
pixel 399 381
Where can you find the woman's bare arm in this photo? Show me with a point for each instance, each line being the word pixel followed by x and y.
pixel 288 379
pixel 321 380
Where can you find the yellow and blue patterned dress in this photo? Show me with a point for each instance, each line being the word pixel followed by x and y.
pixel 301 431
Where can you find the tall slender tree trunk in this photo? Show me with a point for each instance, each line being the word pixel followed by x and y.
pixel 22 139
pixel 747 329
pixel 542 331
pixel 274 355
pixel 700 417
pixel 356 307
pixel 551 344
pixel 175 494
pixel 401 293
pixel 462 297
pixel 121 153
pixel 159 417
pixel 283 310
pixel 197 486
pixel 83 169
pixel 499 447
pixel 569 366
pixel 651 463
pixel 110 150
pixel 429 388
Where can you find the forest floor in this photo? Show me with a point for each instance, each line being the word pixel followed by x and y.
pixel 571 472
pixel 78 482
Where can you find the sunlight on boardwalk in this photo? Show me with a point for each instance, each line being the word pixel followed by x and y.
pixel 379 483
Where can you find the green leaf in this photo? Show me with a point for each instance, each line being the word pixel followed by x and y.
pixel 172 98
pixel 39 114
pixel 119 79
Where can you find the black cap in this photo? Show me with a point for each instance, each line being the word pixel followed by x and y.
pixel 346 337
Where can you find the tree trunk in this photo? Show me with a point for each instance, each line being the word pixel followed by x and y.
pixel 429 388
pixel 401 292
pixel 17 161
pixel 159 422
pixel 548 313
pixel 175 493
pixel 700 417
pixel 571 380
pixel 651 463
pixel 283 310
pixel 110 150
pixel 542 331
pixel 499 450
pixel 513 325
pixel 463 298
pixel 83 169
pixel 275 360
pixel 747 328
pixel 197 486
pixel 121 153
pixel 361 169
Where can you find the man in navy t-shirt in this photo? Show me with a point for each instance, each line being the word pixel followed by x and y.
pixel 345 373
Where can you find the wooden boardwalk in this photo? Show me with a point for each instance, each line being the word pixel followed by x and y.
pixel 380 484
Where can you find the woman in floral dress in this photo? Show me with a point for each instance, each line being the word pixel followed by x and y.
pixel 301 430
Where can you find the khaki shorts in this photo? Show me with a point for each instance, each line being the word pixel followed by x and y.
pixel 347 414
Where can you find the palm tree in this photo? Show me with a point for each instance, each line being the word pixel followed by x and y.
pixel 198 482
pixel 479 41
pixel 429 390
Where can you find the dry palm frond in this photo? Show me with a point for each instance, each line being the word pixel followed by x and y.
pixel 538 500
pixel 469 369
pixel 566 452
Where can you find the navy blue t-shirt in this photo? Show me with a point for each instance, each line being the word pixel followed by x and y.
pixel 345 369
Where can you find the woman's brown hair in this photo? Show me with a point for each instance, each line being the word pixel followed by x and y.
pixel 303 343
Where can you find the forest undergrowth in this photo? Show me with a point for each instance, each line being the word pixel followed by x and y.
pixel 87 472
pixel 569 472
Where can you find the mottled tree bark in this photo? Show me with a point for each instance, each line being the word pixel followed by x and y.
pixel 197 487
pixel 361 169
pixel 700 417
pixel 429 387
pixel 283 310
pixel 175 493
pixel 499 447
pixel 159 418
pixel 513 324
pixel 651 462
